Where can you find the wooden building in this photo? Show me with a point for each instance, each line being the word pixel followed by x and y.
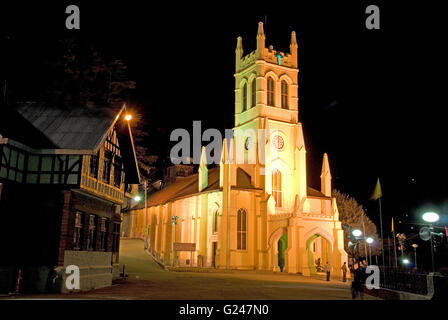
pixel 65 175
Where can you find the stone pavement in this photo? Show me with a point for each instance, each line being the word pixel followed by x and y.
pixel 147 280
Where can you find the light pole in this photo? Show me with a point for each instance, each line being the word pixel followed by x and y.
pixel 174 220
pixel 370 240
pixel 415 246
pixel 356 233
pixel 431 217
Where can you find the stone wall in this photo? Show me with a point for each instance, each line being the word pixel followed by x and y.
pixel 95 269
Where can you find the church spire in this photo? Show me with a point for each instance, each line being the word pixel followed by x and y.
pixel 293 46
pixel 261 38
pixel 325 177
pixel 239 52
pixel 203 171
pixel 260 30
pixel 293 40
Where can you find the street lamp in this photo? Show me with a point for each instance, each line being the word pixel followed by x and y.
pixel 128 117
pixel 137 198
pixel 431 217
pixel 356 232
pixel 405 261
pixel 415 246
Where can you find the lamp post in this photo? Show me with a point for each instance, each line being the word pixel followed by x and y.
pixel 415 246
pixel 431 217
pixel 174 220
pixel 356 233
pixel 146 215
pixel 370 240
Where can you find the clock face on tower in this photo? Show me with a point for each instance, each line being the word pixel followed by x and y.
pixel 278 142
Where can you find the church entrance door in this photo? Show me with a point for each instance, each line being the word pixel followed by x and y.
pixel 282 246
pixel 214 246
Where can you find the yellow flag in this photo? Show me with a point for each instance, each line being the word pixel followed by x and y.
pixel 392 224
pixel 377 192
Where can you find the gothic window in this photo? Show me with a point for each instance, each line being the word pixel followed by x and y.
pixel 215 221
pixel 241 229
pixel 270 91
pixel 254 92
pixel 277 187
pixel 244 97
pixel 284 94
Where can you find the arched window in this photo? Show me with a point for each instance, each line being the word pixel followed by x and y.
pixel 270 91
pixel 244 97
pixel 277 187
pixel 241 230
pixel 284 94
pixel 254 92
pixel 215 221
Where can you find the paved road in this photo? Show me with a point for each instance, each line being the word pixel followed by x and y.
pixel 147 280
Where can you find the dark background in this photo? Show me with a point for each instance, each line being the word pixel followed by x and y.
pixel 371 99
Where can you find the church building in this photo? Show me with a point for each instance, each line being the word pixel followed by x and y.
pixel 251 215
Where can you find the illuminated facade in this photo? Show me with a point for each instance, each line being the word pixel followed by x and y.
pixel 252 215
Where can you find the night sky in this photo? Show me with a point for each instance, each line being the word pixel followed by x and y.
pixel 371 99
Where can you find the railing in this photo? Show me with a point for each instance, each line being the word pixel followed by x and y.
pixel 404 279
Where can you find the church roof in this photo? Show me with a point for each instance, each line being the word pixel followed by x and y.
pixel 183 187
pixel 315 193
pixel 189 186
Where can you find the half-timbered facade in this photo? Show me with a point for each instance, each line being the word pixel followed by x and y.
pixel 65 175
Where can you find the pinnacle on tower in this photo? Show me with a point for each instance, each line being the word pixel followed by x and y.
pixel 203 171
pixel 260 30
pixel 325 177
pixel 260 39
pixel 238 52
pixel 239 45
pixel 293 40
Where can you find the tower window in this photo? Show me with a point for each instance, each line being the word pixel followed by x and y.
pixel 270 92
pixel 241 230
pixel 215 222
pixel 254 92
pixel 284 94
pixel 244 97
pixel 277 187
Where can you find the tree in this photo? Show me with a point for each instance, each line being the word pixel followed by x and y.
pixel 82 75
pixel 353 214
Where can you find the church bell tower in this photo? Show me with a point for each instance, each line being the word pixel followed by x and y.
pixel 268 134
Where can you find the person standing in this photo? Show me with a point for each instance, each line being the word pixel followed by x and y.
pixel 357 288
pixel 344 272
pixel 327 268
